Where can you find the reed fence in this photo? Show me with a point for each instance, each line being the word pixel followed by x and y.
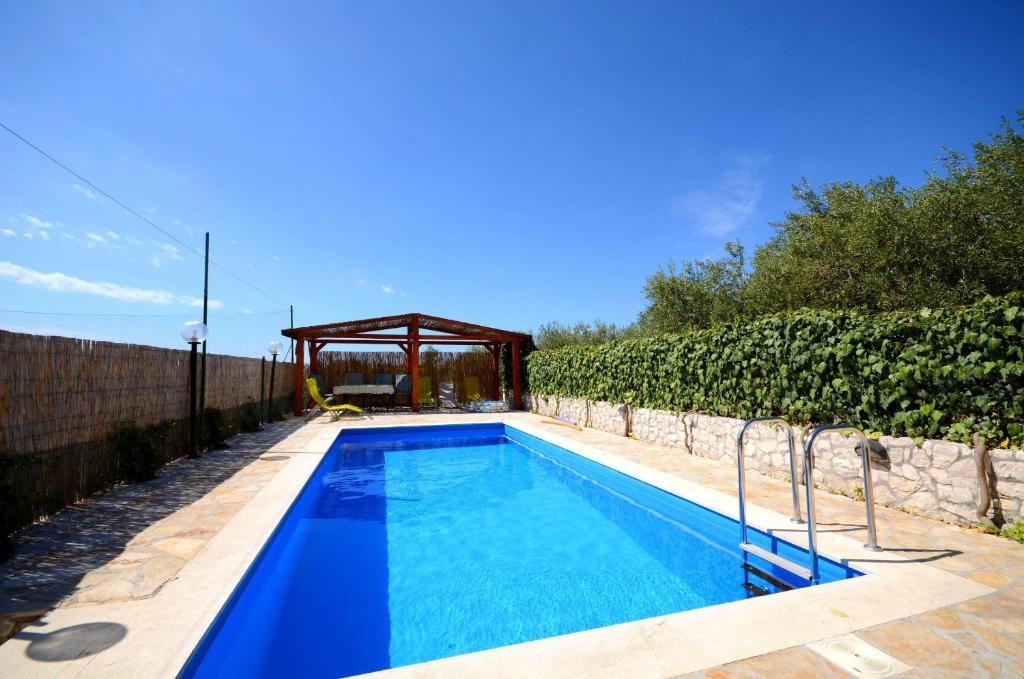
pixel 60 391
pixel 61 399
pixel 439 366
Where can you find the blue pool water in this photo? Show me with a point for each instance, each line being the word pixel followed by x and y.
pixel 415 543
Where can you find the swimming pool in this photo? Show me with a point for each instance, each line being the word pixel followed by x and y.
pixel 409 544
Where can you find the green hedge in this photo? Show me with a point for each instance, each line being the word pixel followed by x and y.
pixel 930 374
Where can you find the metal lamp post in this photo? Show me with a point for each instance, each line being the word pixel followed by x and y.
pixel 274 349
pixel 193 332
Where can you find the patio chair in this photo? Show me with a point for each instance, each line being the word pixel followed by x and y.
pixel 426 391
pixel 471 389
pixel 385 379
pixel 446 395
pixel 403 386
pixel 356 380
pixel 334 410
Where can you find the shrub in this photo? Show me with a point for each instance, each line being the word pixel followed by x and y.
pixel 929 373
pixel 249 416
pixel 214 429
pixel 135 453
pixel 7 504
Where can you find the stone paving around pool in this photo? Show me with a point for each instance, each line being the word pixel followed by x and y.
pixel 126 545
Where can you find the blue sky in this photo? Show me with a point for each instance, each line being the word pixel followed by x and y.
pixel 503 163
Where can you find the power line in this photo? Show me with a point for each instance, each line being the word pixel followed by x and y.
pixel 62 313
pixel 137 214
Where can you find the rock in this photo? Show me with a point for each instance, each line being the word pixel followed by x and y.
pixel 1012 470
pixel 945 454
pixel 921 502
pixel 965 468
pixel 957 495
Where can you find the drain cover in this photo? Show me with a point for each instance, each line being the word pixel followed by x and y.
pixel 858 657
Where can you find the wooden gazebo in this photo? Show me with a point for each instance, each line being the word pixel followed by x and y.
pixel 419 329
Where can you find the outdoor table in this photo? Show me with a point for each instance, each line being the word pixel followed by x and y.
pixel 365 390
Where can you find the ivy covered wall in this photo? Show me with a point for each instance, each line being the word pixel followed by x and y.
pixel 942 373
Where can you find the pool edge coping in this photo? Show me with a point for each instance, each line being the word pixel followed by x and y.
pixel 659 646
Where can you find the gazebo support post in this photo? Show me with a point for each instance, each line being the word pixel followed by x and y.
pixel 300 361
pixel 414 363
pixel 314 357
pixel 495 350
pixel 314 366
pixel 517 396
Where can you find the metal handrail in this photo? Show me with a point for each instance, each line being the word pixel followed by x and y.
pixel 794 481
pixel 812 536
pixel 869 496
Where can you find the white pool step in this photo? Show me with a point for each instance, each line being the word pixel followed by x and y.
pixel 777 560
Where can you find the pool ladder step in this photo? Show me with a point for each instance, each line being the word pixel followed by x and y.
pixel 777 560
pixel 750 569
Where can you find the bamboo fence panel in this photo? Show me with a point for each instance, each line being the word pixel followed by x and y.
pixel 59 391
pixel 440 366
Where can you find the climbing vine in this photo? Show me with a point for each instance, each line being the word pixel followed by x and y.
pixel 933 373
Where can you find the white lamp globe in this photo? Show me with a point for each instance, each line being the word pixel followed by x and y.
pixel 274 348
pixel 194 332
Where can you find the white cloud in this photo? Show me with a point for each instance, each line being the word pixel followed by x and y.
pixel 88 193
pixel 94 239
pixel 171 251
pixel 58 282
pixel 183 226
pixel 68 236
pixel 362 282
pixel 132 240
pixel 36 222
pixel 44 235
pixel 113 235
pixel 155 261
pixel 10 233
pixel 387 289
pixel 198 302
pixel 149 210
pixel 726 206
pixel 27 234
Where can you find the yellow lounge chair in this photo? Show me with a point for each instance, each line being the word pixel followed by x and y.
pixel 334 410
pixel 471 388
pixel 426 391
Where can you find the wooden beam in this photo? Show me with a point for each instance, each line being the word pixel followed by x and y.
pixel 300 361
pixel 517 396
pixel 424 339
pixel 314 353
pixel 495 350
pixel 414 364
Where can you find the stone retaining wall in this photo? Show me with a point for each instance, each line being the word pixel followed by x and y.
pixel 937 479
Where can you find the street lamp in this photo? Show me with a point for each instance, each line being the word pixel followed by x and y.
pixel 193 332
pixel 274 348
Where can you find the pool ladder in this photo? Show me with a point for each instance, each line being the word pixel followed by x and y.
pixel 810 572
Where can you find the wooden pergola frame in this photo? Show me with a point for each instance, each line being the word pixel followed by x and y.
pixel 440 331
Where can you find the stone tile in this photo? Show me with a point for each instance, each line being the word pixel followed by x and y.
pixel 128 542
